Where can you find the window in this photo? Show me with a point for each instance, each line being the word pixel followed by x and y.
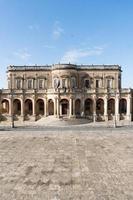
pixel 87 83
pixel 41 84
pixel 64 83
pixel 97 83
pixel 30 84
pixel 109 83
pixel 18 83
pixel 56 83
pixel 73 82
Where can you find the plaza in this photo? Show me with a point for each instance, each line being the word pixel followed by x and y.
pixel 60 163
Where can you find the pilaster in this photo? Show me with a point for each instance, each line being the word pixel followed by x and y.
pixel 117 115
pixel 94 108
pixel 106 108
pixel 128 116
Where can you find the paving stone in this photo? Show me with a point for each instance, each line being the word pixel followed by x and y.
pixel 66 165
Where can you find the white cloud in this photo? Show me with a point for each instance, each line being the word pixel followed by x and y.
pixel 22 54
pixel 74 55
pixel 58 30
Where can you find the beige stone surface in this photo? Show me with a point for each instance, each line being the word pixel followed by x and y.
pixel 66 165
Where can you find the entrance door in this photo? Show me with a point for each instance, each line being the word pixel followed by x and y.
pixel 64 109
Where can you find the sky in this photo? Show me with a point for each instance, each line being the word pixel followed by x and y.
pixel 76 31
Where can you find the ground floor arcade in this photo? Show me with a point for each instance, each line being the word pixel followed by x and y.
pixel 94 108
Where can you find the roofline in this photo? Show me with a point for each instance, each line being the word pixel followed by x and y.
pixel 61 67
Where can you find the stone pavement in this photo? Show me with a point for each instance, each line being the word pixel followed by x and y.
pixel 66 165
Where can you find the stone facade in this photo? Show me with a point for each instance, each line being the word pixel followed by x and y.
pixel 66 90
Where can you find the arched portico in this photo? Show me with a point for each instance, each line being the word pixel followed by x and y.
pixel 122 108
pixel 5 106
pixel 88 109
pixel 64 107
pixel 17 107
pixel 40 107
pixel 100 109
pixel 111 108
pixel 28 107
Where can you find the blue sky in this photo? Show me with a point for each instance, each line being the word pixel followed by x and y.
pixel 76 31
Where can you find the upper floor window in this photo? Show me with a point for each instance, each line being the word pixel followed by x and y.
pixel 87 83
pixel 29 83
pixel 41 84
pixel 64 83
pixel 18 83
pixel 109 83
pixel 97 83
pixel 56 83
pixel 73 82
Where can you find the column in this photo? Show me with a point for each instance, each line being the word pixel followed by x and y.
pixel 129 108
pixel 117 115
pixel 34 108
pixel 94 109
pixel 70 107
pixel 73 107
pixel 106 108
pixel 10 107
pixel 82 107
pixel 11 112
pixel 22 110
pixel 55 106
pixel 45 108
pixel 58 112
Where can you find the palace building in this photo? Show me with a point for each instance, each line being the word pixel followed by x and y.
pixel 66 90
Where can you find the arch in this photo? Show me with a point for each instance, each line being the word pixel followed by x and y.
pixel 64 103
pixel 5 106
pixel 40 107
pixel 28 107
pixel 17 107
pixel 88 107
pixel 123 106
pixel 111 106
pixel 100 107
pixel 50 107
pixel 77 107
